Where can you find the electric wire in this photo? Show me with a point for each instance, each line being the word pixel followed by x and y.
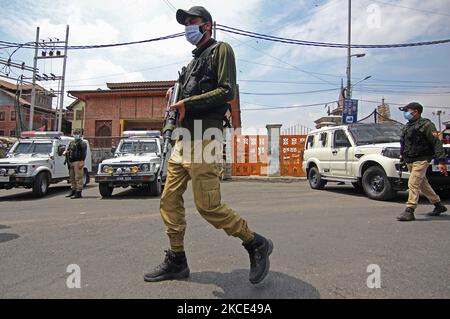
pixel 411 8
pixel 236 31
pixel 272 107
pixel 266 37
pixel 287 93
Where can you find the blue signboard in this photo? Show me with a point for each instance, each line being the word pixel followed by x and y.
pixel 350 111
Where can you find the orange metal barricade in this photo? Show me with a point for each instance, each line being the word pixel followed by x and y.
pixel 250 155
pixel 291 155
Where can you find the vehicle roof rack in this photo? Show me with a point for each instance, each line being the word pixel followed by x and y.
pixel 130 134
pixel 39 134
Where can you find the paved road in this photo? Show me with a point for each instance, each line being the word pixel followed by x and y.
pixel 324 241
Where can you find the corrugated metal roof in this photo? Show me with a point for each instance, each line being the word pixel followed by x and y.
pixel 140 85
pixel 13 86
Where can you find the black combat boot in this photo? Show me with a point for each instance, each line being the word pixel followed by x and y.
pixel 174 266
pixel 259 250
pixel 76 195
pixel 407 215
pixel 72 192
pixel 438 210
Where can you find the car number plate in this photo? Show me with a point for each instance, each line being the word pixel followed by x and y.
pixel 435 168
pixel 4 179
pixel 123 178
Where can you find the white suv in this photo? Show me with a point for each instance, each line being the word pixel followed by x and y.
pixel 365 155
pixel 36 160
pixel 136 163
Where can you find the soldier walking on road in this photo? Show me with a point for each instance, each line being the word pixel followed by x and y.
pixel 420 143
pixel 75 157
pixel 208 84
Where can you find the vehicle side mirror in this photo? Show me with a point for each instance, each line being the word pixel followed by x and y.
pixel 61 149
pixel 113 149
pixel 342 143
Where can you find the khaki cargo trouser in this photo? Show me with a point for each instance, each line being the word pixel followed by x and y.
pixel 76 176
pixel 418 182
pixel 206 191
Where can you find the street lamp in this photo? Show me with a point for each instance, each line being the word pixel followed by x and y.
pixel 366 78
pixel 349 76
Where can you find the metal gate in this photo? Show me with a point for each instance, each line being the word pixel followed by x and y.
pixel 291 155
pixel 250 155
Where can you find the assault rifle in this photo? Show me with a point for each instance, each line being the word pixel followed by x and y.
pixel 170 123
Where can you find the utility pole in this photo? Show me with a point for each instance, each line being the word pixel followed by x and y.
pixel 51 46
pixel 19 124
pixel 438 114
pixel 61 100
pixel 33 88
pixel 349 51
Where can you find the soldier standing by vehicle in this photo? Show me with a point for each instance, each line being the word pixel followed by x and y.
pixel 446 133
pixel 75 157
pixel 420 143
pixel 208 84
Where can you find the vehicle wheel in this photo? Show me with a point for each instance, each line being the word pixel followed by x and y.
pixel 376 184
pixel 105 189
pixel 315 181
pixel 40 184
pixel 86 177
pixel 155 188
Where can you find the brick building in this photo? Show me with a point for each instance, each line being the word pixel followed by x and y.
pixel 44 115
pixel 126 106
pixel 75 114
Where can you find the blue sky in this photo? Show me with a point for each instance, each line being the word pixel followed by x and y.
pixel 398 75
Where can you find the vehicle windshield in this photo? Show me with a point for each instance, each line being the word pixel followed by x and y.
pixel 374 133
pixel 33 148
pixel 134 147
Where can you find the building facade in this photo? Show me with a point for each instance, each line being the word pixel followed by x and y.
pixel 15 101
pixel 123 106
pixel 75 114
